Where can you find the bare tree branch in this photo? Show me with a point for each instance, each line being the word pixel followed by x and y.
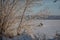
pixel 26 5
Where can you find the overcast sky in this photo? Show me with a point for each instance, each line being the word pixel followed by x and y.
pixel 52 6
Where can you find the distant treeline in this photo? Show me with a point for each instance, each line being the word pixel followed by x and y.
pixel 51 17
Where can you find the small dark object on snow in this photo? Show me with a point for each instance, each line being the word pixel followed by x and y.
pixel 41 24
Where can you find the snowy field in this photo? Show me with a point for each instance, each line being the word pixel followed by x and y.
pixel 49 28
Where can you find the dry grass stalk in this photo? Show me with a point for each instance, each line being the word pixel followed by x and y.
pixel 10 24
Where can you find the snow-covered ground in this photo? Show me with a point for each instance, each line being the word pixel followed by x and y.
pixel 49 27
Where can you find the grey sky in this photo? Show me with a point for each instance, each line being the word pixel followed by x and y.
pixel 50 5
